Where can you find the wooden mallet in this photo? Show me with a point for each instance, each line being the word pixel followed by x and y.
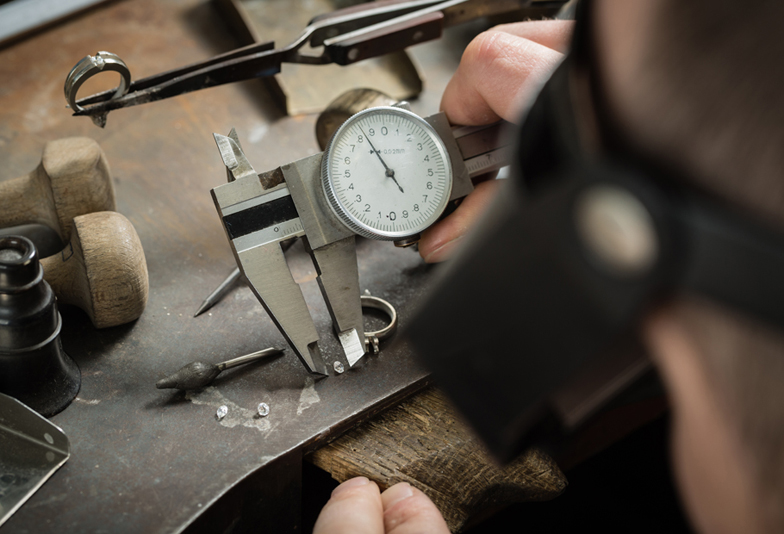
pixel 72 179
pixel 102 270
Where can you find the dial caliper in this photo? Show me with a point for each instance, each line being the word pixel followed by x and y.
pixel 386 174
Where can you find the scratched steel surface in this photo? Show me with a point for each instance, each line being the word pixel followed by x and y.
pixel 146 460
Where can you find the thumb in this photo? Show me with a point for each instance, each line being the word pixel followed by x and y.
pixel 409 511
pixel 440 240
pixel 354 508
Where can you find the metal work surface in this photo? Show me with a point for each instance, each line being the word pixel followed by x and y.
pixel 149 460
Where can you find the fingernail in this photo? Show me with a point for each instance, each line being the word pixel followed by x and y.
pixel 397 493
pixel 350 483
pixel 443 252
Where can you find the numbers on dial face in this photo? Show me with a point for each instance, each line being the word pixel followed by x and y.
pixel 389 173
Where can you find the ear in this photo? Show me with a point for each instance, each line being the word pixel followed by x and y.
pixel 711 466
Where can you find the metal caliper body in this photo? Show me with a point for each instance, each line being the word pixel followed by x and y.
pixel 260 211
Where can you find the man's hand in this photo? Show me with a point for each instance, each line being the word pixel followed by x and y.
pixel 357 507
pixel 501 71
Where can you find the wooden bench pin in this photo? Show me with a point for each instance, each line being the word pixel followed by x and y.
pixel 102 270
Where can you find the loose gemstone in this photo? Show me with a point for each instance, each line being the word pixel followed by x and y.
pixel 263 409
pixel 222 411
pixel 338 367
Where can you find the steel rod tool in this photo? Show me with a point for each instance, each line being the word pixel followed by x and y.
pixel 197 375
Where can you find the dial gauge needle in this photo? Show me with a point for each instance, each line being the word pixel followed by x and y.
pixel 390 173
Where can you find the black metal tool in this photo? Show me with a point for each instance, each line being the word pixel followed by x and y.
pixel 34 368
pixel 346 36
pixel 197 375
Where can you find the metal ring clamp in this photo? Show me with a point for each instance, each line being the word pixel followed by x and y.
pixel 88 67
pixel 372 338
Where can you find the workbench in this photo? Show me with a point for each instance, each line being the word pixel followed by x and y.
pixel 154 461
pixel 149 460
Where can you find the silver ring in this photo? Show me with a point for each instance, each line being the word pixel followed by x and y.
pixel 386 307
pixel 88 67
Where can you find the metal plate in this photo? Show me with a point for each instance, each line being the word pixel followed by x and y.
pixel 31 450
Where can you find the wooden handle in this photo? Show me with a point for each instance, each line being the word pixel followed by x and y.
pixel 102 270
pixel 427 27
pixel 72 179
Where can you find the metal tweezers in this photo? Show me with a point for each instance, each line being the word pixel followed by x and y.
pixel 347 35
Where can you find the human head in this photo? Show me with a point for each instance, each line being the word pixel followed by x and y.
pixel 697 86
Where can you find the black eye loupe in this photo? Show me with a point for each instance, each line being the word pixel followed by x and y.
pixel 532 327
pixel 33 366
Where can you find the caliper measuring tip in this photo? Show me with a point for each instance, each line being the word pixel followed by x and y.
pixel 232 155
pixel 313 360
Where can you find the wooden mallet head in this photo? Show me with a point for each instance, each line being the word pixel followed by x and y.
pixel 102 270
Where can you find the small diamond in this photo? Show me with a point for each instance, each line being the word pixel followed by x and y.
pixel 338 367
pixel 99 62
pixel 262 409
pixel 222 411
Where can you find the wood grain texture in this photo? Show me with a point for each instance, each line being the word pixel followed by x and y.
pixel 423 442
pixel 72 179
pixel 102 270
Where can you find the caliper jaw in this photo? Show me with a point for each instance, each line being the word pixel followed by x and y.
pixel 237 165
pixel 283 300
pixel 338 279
pixel 332 247
pixel 256 221
pixel 258 218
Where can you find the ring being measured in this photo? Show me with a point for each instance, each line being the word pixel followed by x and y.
pixel 88 67
pixel 372 338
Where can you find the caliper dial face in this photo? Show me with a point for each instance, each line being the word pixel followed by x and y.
pixel 386 174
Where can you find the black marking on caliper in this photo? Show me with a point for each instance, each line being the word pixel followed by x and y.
pixel 259 217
